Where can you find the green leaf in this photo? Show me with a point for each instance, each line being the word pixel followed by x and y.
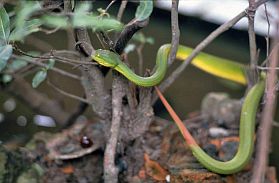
pixel 16 64
pixel 73 4
pixel 83 7
pixel 129 48
pixel 140 37
pixel 6 78
pixel 56 21
pixel 5 54
pixel 39 77
pixel 29 27
pixel 50 64
pixel 25 11
pixel 144 10
pixel 20 62
pixel 96 22
pixel 82 19
pixel 150 40
pixel 4 26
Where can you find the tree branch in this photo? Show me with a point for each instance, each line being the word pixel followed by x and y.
pixel 252 44
pixel 110 170
pixel 265 128
pixel 175 31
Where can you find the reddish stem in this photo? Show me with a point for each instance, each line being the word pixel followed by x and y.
pixel 186 134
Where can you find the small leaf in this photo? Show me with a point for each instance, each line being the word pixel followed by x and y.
pixel 4 26
pixel 97 23
pixel 6 78
pixel 20 62
pixel 73 4
pixel 150 40
pixel 129 48
pixel 16 64
pixel 144 10
pixel 56 21
pixel 50 64
pixel 5 54
pixel 29 27
pixel 25 11
pixel 139 37
pixel 83 7
pixel 39 77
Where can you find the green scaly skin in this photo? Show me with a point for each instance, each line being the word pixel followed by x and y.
pixel 246 136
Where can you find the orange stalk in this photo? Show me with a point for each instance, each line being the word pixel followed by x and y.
pixel 186 134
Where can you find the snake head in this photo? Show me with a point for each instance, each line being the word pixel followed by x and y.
pixel 106 58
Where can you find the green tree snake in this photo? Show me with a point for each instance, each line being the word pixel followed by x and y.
pixel 220 67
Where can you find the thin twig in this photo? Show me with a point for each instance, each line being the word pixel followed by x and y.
pixel 265 128
pixel 268 30
pixel 120 13
pixel 267 68
pixel 252 44
pixel 268 56
pixel 110 4
pixel 69 31
pixel 49 31
pixel 51 55
pixel 67 94
pixel 110 170
pixel 121 9
pixel 62 72
pixel 175 32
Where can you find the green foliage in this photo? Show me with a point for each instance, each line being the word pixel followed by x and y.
pixel 5 53
pixel 20 61
pixel 82 20
pixel 144 10
pixel 97 23
pixel 4 27
pixel 83 7
pixel 24 11
pixel 16 64
pixel 140 37
pixel 39 77
pixel 129 48
pixel 28 27
pixel 54 21
pixel 6 78
pixel 50 64
pixel 6 49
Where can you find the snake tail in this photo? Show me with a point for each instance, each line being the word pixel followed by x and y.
pixel 246 134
